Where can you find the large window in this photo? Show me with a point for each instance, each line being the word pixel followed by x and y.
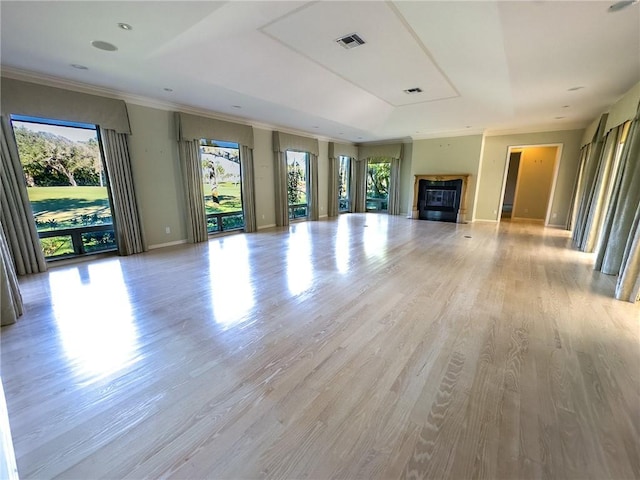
pixel 344 184
pixel 378 174
pixel 297 184
pixel 222 185
pixel 66 185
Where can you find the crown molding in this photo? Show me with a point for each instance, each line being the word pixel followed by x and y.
pixel 536 129
pixel 467 132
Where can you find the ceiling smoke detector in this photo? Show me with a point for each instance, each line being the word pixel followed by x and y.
pixel 350 41
pixel 413 91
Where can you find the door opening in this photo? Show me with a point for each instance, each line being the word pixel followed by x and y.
pixel 529 183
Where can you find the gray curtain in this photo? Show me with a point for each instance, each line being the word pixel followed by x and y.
pixel 587 194
pixel 353 191
pixel 360 186
pixel 191 167
pixel 248 189
pixel 280 177
pixel 10 297
pixel 601 191
pixel 619 247
pixel 16 214
pixel 125 207
pixel 332 207
pixel 314 210
pixel 394 187
pixel 577 186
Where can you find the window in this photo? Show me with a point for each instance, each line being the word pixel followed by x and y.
pixel 222 185
pixel 378 174
pixel 344 184
pixel 297 184
pixel 66 184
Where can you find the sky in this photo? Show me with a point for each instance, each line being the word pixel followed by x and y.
pixel 72 133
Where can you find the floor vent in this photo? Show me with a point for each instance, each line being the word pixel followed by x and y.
pixel 351 41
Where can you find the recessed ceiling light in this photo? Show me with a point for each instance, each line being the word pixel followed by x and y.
pixel 573 89
pixel 236 106
pixel 565 106
pixel 468 126
pixel 315 126
pixel 559 118
pixel 125 26
pixel 616 7
pixel 109 47
pixel 168 89
pixel 79 67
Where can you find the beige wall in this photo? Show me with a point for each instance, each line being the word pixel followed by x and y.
pixel 535 176
pixel 448 155
pixel 264 182
pixel 157 175
pixel 323 177
pixel 406 179
pixel 494 158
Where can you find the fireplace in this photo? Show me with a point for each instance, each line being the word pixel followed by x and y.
pixel 440 197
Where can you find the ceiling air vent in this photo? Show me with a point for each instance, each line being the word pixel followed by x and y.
pixel 351 41
pixel 412 91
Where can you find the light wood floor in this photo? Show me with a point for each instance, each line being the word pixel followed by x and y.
pixel 369 347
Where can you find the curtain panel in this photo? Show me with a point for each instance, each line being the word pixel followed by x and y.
pixel 618 251
pixel 394 187
pixel 391 150
pixel 248 189
pixel 16 214
pixel 588 191
pixel 25 98
pixel 332 203
pixel 281 198
pixel 191 167
pixel 192 127
pixel 125 207
pixel 287 141
pixel 314 210
pixel 11 306
pixel 577 186
pixel 360 186
pixel 342 149
pixel 601 192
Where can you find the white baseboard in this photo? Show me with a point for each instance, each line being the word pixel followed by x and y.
pixel 484 220
pixel 168 244
pixel 271 225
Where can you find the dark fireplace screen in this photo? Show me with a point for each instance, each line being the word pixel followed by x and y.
pixel 439 200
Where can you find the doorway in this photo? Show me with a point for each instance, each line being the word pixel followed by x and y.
pixel 529 183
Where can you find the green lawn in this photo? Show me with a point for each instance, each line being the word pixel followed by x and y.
pixel 229 196
pixel 61 207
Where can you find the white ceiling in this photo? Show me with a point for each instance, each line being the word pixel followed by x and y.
pixel 492 66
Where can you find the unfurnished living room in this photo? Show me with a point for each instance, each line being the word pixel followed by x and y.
pixel 320 239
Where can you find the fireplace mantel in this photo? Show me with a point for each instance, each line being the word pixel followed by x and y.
pixel 462 211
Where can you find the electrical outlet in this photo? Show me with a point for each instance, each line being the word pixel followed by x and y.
pixel 167 230
pixel 554 215
pixel 495 212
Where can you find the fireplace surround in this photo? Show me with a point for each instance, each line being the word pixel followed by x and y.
pixel 441 197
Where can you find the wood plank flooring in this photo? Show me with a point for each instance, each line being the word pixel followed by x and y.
pixel 369 346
